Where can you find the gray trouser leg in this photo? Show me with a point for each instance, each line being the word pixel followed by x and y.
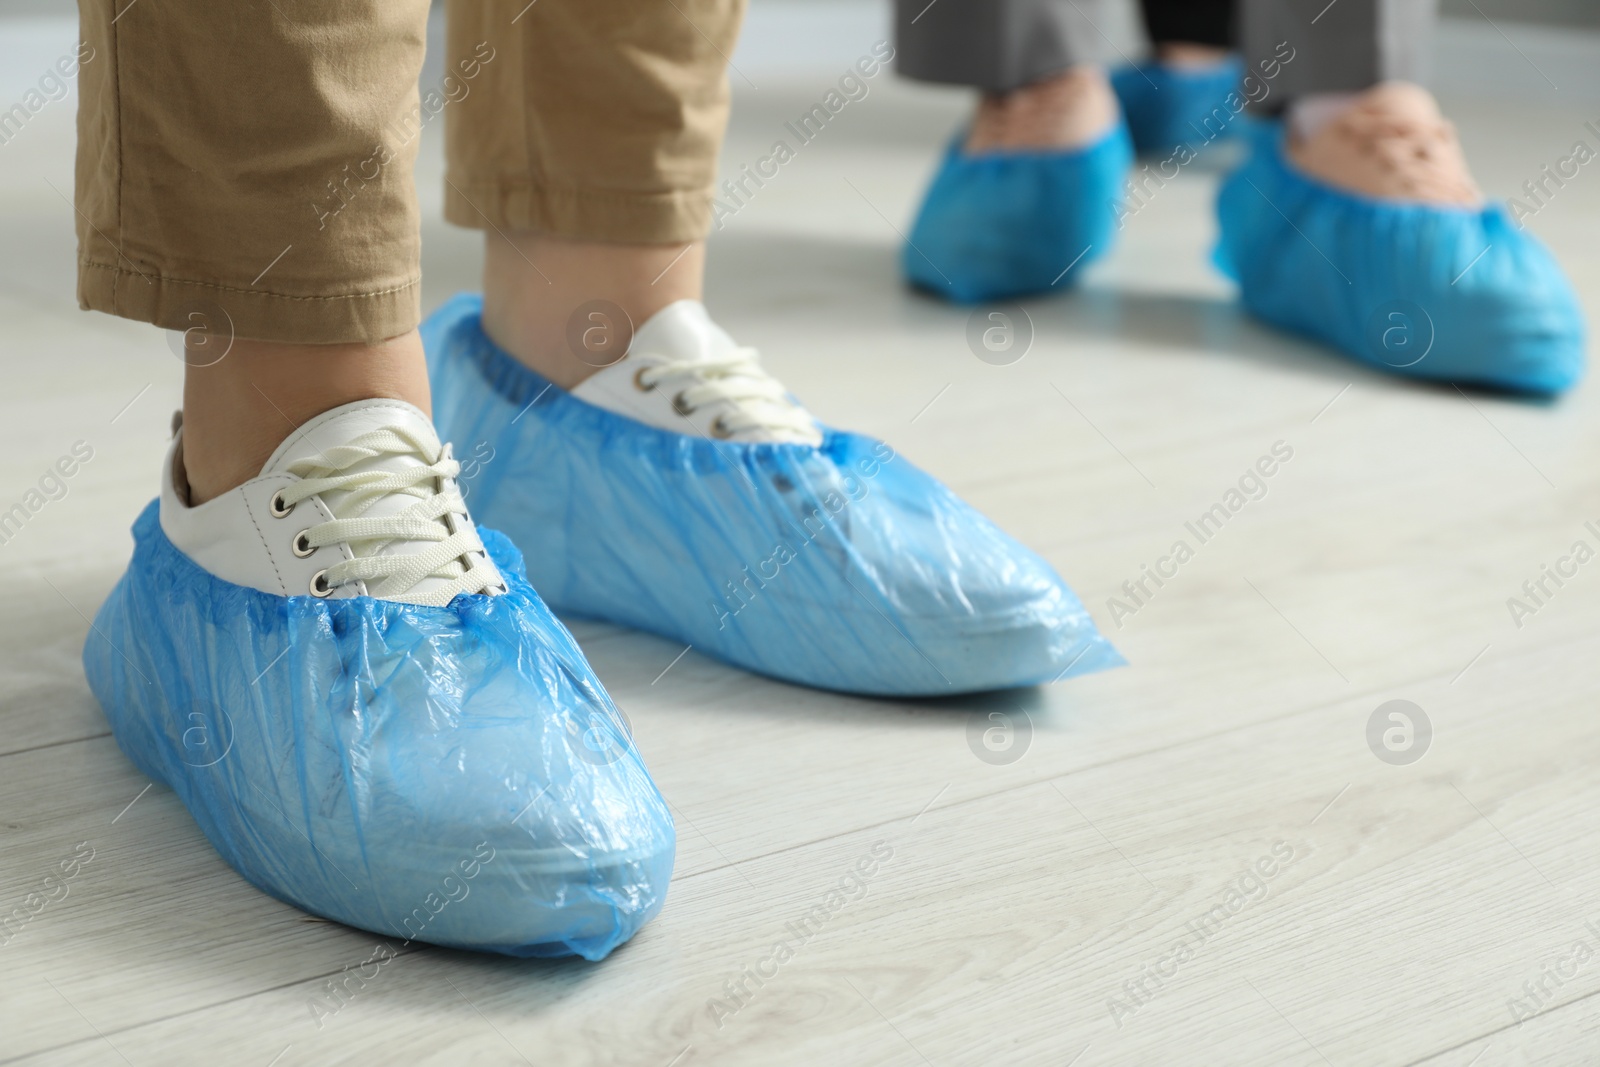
pixel 1342 47
pixel 996 45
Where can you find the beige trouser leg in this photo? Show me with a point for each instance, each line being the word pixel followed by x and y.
pixel 247 167
pixel 596 120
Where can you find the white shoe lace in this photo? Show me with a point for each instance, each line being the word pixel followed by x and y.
pixel 752 400
pixel 439 516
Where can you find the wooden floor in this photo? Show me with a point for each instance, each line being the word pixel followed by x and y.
pixel 1195 859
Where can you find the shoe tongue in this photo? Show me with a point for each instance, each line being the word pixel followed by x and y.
pixel 683 332
pixel 343 425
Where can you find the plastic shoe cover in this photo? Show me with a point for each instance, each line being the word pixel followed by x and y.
pixel 454 775
pixel 1006 224
pixel 1458 294
pixel 1168 106
pixel 842 567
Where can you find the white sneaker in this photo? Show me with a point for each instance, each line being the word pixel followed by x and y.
pixel 360 501
pixel 684 373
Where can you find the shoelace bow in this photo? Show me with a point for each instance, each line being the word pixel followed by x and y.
pixel 757 400
pixel 438 516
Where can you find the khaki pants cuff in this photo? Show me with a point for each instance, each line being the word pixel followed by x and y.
pixel 579 214
pixel 180 304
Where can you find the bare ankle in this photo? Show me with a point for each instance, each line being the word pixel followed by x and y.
pixel 237 410
pixel 1389 142
pixel 1068 110
pixel 568 308
pixel 1186 55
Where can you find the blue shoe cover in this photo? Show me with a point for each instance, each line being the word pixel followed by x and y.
pixel 452 775
pixel 1456 294
pixel 1007 224
pixel 841 567
pixel 1168 106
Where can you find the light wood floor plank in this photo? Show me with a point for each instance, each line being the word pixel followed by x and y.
pixel 1021 899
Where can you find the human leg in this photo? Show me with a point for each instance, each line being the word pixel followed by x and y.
pixel 1356 220
pixel 357 696
pixel 1026 197
pixel 587 149
pixel 1179 95
pixel 676 486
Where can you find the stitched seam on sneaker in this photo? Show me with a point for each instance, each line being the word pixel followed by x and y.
pixel 265 547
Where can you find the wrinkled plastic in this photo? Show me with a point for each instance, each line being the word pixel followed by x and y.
pixel 999 225
pixel 842 567
pixel 453 775
pixel 1170 106
pixel 1456 294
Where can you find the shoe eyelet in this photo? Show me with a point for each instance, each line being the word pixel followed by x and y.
pixel 319 585
pixel 301 546
pixel 719 430
pixel 681 406
pixel 639 382
pixel 279 508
